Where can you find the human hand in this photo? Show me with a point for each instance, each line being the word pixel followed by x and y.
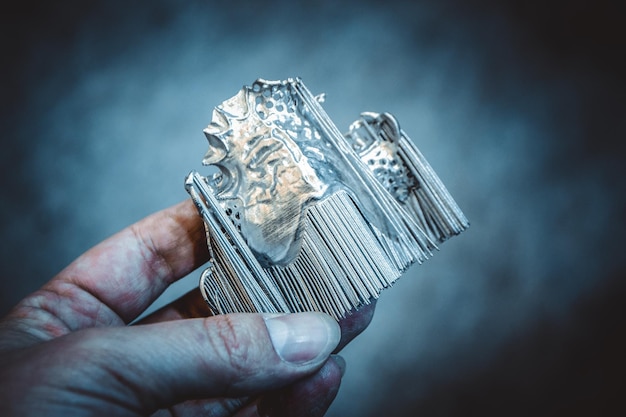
pixel 69 348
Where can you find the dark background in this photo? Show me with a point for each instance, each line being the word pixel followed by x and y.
pixel 518 105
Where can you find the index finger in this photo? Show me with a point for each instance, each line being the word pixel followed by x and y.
pixel 129 270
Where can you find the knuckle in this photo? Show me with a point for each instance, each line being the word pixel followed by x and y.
pixel 233 343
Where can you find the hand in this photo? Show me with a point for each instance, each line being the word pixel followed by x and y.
pixel 69 350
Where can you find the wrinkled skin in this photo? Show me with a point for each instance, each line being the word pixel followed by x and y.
pixel 69 348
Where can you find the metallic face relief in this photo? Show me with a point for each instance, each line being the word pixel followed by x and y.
pixel 265 181
pixel 300 217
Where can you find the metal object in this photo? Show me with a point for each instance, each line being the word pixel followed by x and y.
pixel 300 217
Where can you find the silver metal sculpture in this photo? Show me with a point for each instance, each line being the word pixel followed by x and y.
pixel 302 218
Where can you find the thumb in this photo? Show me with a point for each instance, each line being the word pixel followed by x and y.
pixel 148 367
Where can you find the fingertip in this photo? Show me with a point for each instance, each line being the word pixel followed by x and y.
pixel 340 362
pixel 311 396
pixel 355 323
pixel 303 338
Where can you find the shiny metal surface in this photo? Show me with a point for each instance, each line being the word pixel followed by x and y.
pixel 300 217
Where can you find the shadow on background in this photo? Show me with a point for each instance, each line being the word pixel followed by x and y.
pixel 518 106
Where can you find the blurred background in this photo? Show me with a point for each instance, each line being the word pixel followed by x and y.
pixel 518 106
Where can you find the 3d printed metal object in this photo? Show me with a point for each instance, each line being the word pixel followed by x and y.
pixel 302 218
